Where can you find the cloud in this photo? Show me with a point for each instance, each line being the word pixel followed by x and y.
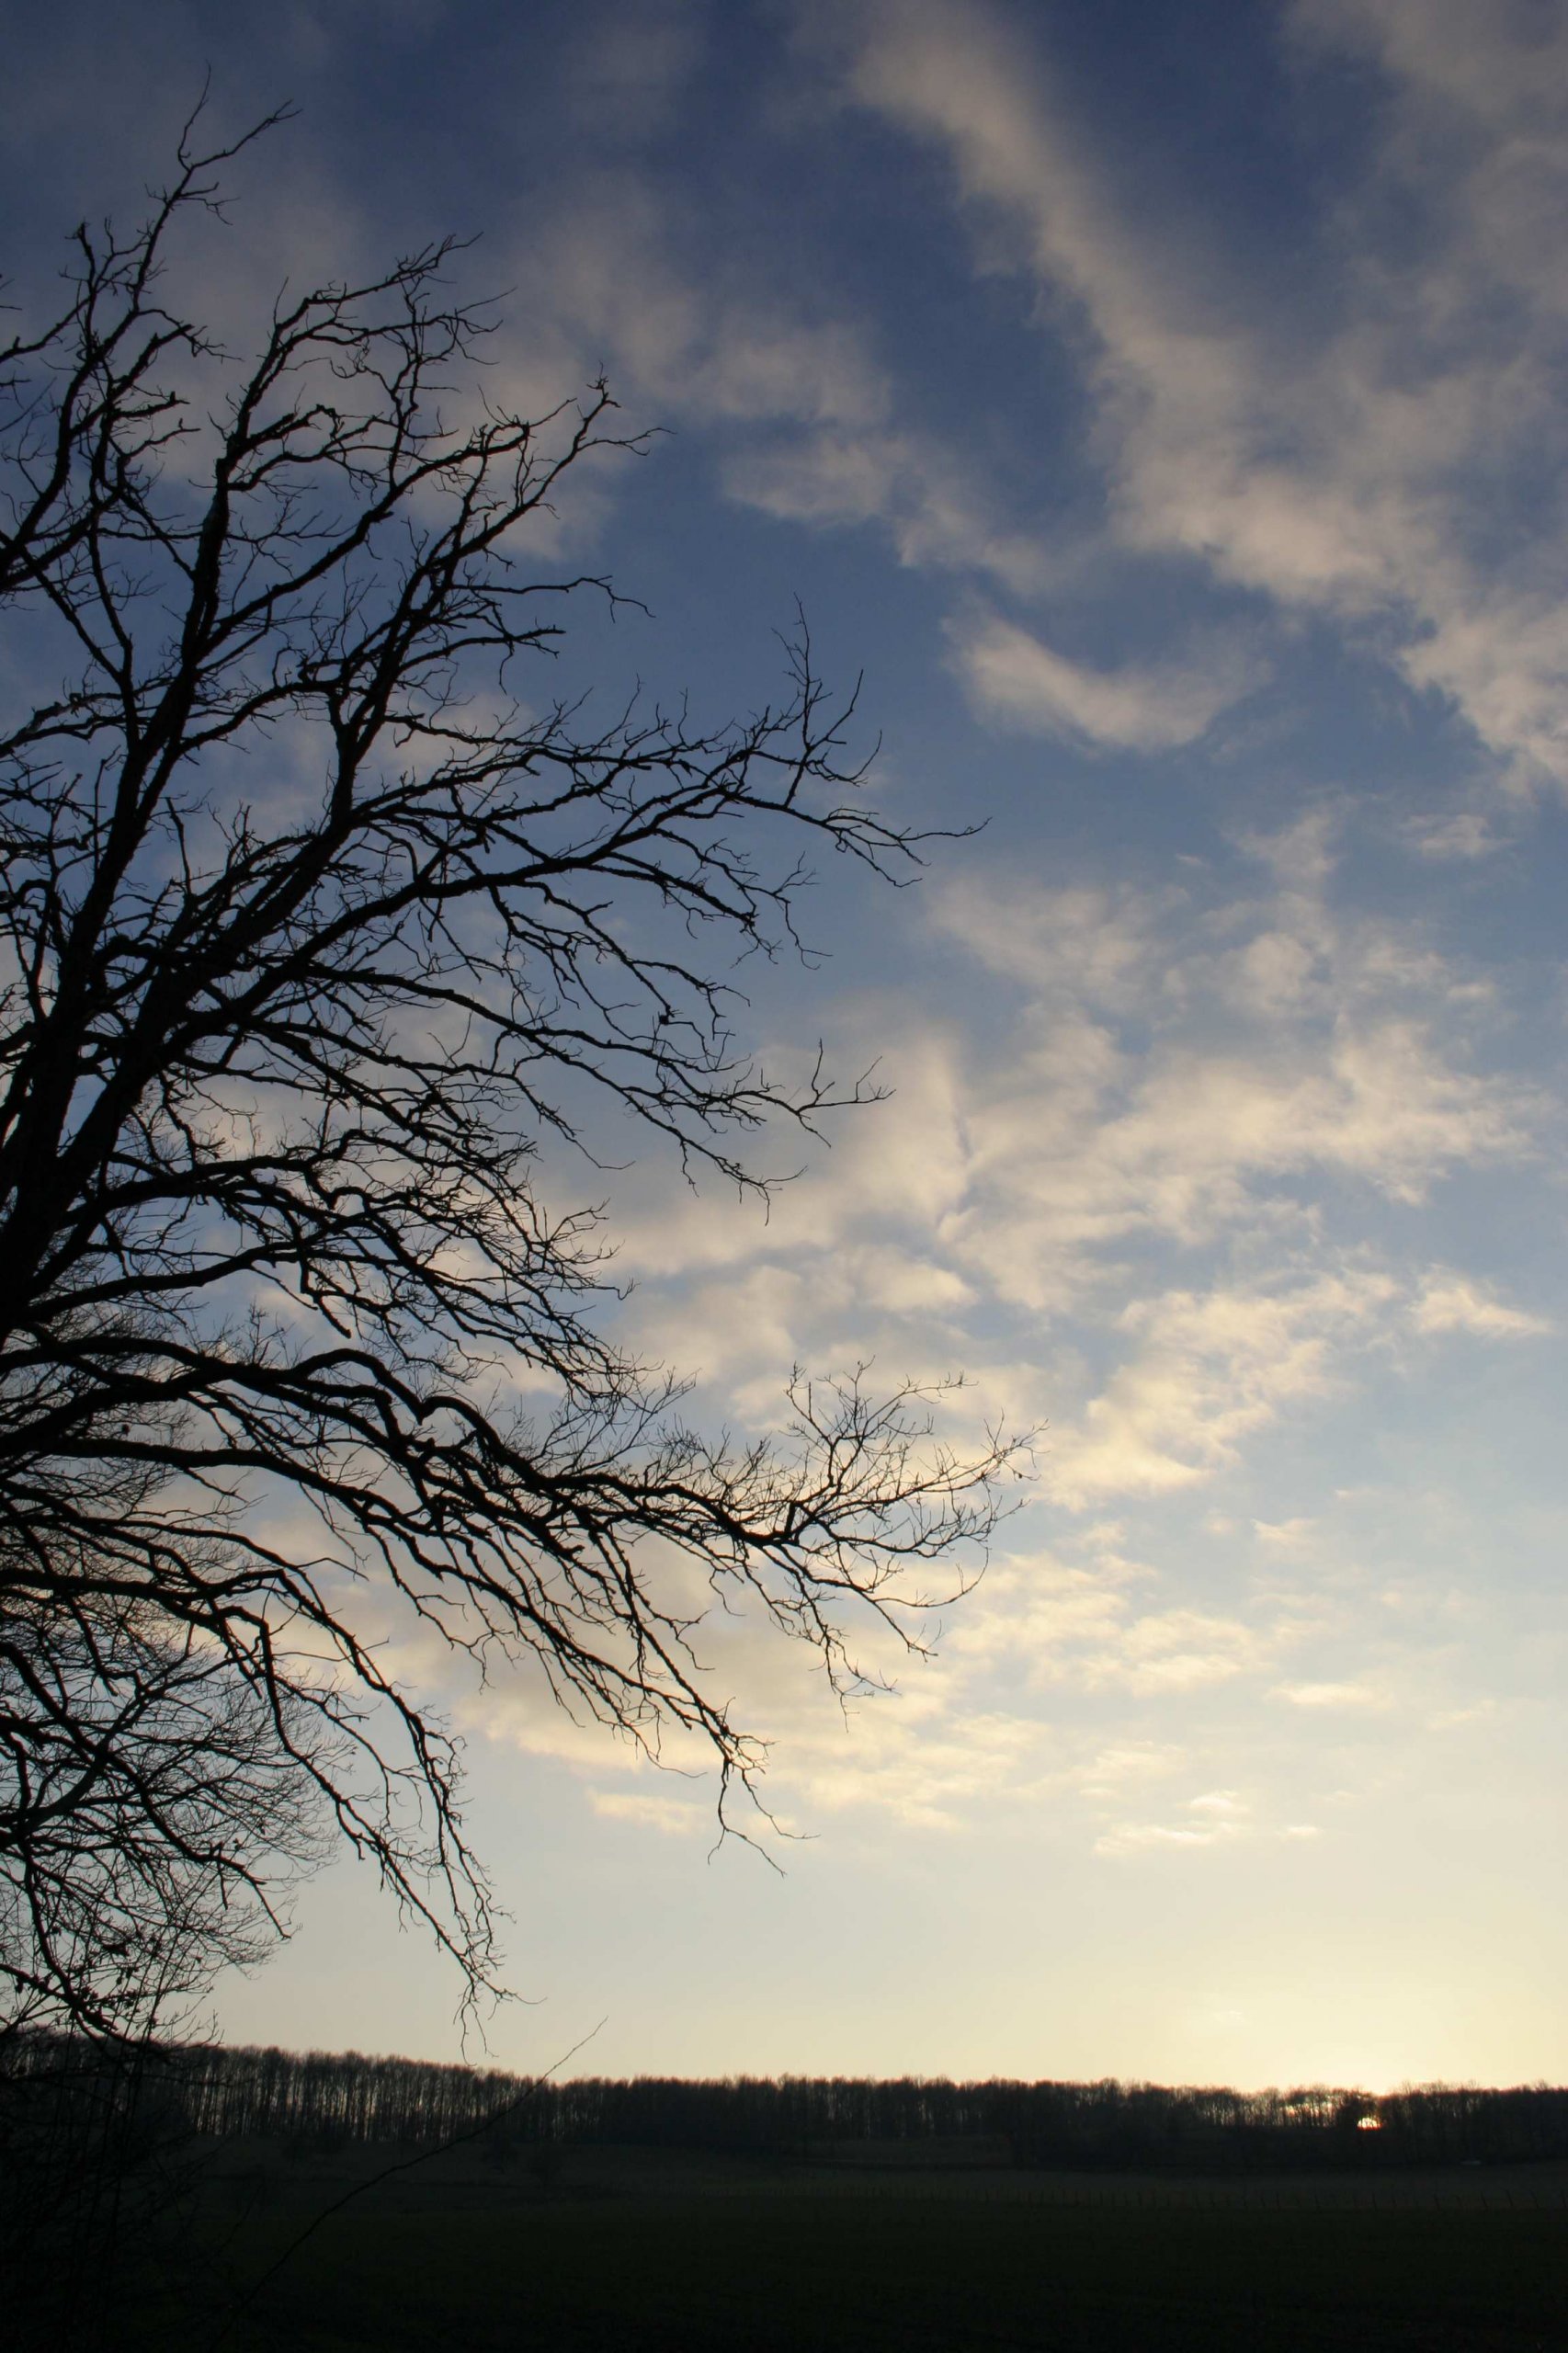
pixel 1494 66
pixel 1353 1696
pixel 1222 1805
pixel 932 1770
pixel 671 1817
pixel 1466 834
pixel 622 283
pixel 1134 1838
pixel 1106 1776
pixel 1453 1302
pixel 1013 676
pixel 1220 1818
pixel 1284 1534
pixel 1177 1650
pixel 798 406
pixel 936 507
pixel 1208 1370
pixel 1181 1088
pixel 1353 463
pixel 1176 1077
pixel 1215 1819
pixel 1057 1624
pixel 1083 942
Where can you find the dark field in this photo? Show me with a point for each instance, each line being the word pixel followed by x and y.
pixel 632 2252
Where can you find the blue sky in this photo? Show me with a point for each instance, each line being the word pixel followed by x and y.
pixel 1162 408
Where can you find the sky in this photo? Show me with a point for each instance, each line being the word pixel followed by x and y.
pixel 1160 409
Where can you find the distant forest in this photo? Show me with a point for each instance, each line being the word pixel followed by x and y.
pixel 315 2102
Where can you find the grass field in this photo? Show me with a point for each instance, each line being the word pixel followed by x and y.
pixel 656 2259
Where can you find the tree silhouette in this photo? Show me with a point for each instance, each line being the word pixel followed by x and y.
pixel 316 925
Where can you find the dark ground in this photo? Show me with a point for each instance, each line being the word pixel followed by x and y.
pixel 648 2253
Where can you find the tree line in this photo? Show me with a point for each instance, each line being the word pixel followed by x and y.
pixel 320 2101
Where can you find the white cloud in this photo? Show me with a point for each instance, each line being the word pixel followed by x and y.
pixel 671 1817
pixel 1279 1040
pixel 1135 1838
pixel 1221 1818
pixel 1057 1624
pixel 936 506
pixel 1357 472
pixel 1353 1696
pixel 1177 1650
pixel 1223 1805
pixel 1285 1535
pixel 1192 1087
pixel 1467 834
pixel 1113 1771
pixel 1504 65
pixel 1453 1302
pixel 1215 1819
pixel 614 286
pixel 1206 1370
pixel 1013 676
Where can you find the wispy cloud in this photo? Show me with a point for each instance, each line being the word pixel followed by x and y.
pixel 1206 1371
pixel 1453 1302
pixel 673 1817
pixel 1464 835
pixel 1219 1818
pixel 1013 676
pixel 1163 1155
pixel 1351 473
pixel 938 507
pixel 1355 1696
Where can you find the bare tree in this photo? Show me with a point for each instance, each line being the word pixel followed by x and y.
pixel 314 932
pixel 152 1819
